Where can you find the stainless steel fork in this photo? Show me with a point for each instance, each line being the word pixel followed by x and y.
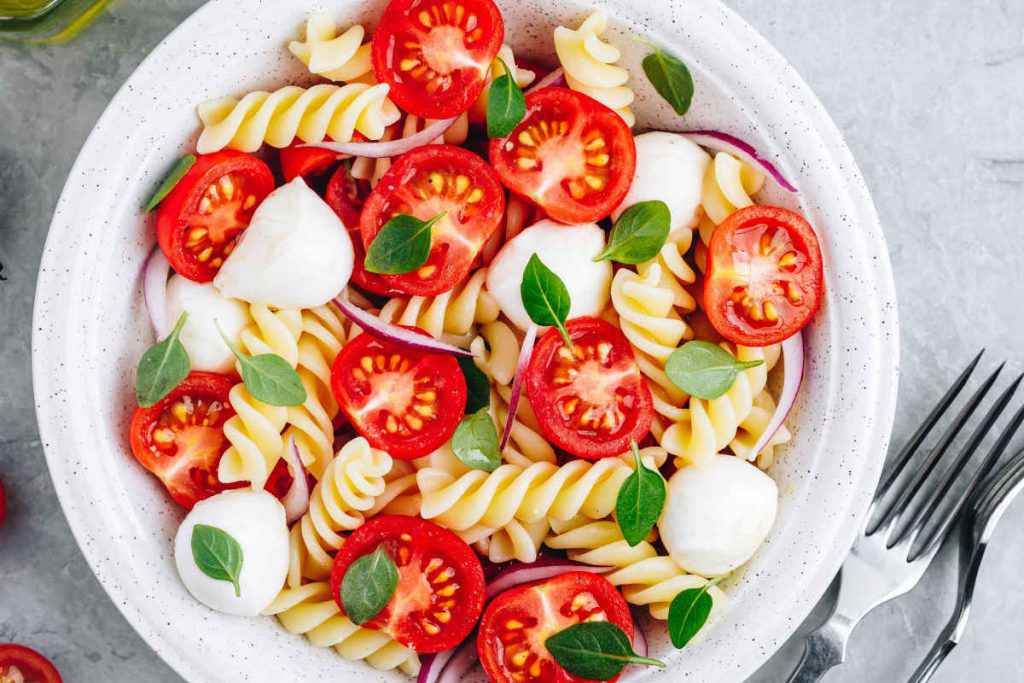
pixel 894 551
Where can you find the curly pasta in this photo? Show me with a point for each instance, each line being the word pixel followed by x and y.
pixel 310 610
pixel 728 184
pixel 647 313
pixel 309 114
pixel 751 429
pixel 589 64
pixel 340 57
pixel 522 77
pixel 519 541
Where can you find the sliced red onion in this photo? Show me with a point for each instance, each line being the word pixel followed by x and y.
pixel 373 325
pixel 538 570
pixel 462 659
pixel 517 383
pixel 154 288
pixel 431 666
pixel 296 500
pixel 793 363
pixel 556 77
pixel 639 637
pixel 715 139
pixel 387 148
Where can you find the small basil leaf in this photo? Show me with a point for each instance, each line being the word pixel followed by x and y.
pixel 478 387
pixel 162 367
pixel 475 442
pixel 671 79
pixel 217 554
pixel 177 172
pixel 595 650
pixel 368 585
pixel 705 370
pixel 268 377
pixel 401 246
pixel 688 613
pixel 639 234
pixel 545 296
pixel 640 501
pixel 506 105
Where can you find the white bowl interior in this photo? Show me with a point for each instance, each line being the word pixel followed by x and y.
pixel 91 324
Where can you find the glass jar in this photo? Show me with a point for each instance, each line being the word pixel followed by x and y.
pixel 49 22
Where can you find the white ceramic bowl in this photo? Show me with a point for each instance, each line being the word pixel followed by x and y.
pixel 90 324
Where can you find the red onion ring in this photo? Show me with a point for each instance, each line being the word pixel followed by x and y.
pixel 462 659
pixel 296 500
pixel 387 148
pixel 639 647
pixel 556 77
pixel 793 363
pixel 402 336
pixel 517 384
pixel 154 288
pixel 715 139
pixel 432 665
pixel 543 568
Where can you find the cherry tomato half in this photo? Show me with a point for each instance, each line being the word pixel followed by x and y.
pixel 764 280
pixel 19 663
pixel 180 439
pixel 403 401
pixel 518 622
pixel 590 400
pixel 435 53
pixel 306 161
pixel 570 155
pixel 199 222
pixel 424 183
pixel 440 590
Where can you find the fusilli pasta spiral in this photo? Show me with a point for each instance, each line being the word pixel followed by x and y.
pixel 751 429
pixel 728 184
pixel 341 57
pixel 589 64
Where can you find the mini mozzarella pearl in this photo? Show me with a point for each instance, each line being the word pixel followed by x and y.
pixel 206 308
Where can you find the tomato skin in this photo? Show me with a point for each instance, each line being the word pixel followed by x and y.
pixel 421 539
pixel 34 667
pixel 589 136
pixel 306 161
pixel 200 391
pixel 790 288
pixel 536 605
pixel 445 35
pixel 550 392
pixel 181 210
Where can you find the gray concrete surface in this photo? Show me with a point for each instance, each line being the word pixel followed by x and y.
pixel 930 95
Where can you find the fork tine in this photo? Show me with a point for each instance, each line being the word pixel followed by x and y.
pixel 1005 478
pixel 925 512
pixel 898 505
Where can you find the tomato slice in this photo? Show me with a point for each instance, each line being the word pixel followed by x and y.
pixel 570 155
pixel 199 222
pixel 518 622
pixel 435 53
pixel 181 438
pixel 764 280
pixel 403 401
pixel 440 590
pixel 590 400
pixel 306 161
pixel 19 663
pixel 429 181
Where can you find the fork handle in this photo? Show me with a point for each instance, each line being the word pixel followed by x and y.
pixel 825 648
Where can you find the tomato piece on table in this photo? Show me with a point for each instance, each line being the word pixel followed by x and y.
pixel 570 155
pixel 19 663
pixel 435 53
pixel 199 222
pixel 764 279
pixel 440 591
pixel 590 400
pixel 517 624
pixel 424 183
pixel 303 162
pixel 404 401
pixel 181 438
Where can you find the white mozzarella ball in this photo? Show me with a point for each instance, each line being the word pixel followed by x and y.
pixel 256 520
pixel 568 250
pixel 206 308
pixel 296 253
pixel 717 515
pixel 671 168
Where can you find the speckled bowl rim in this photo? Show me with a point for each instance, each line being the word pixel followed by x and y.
pixel 64 332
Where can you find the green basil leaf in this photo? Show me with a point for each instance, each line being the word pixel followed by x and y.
pixel 595 650
pixel 639 234
pixel 688 613
pixel 162 367
pixel 368 585
pixel 671 79
pixel 478 387
pixel 545 296
pixel 268 377
pixel 640 501
pixel 506 105
pixel 177 172
pixel 476 442
pixel 401 246
pixel 217 554
pixel 705 370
